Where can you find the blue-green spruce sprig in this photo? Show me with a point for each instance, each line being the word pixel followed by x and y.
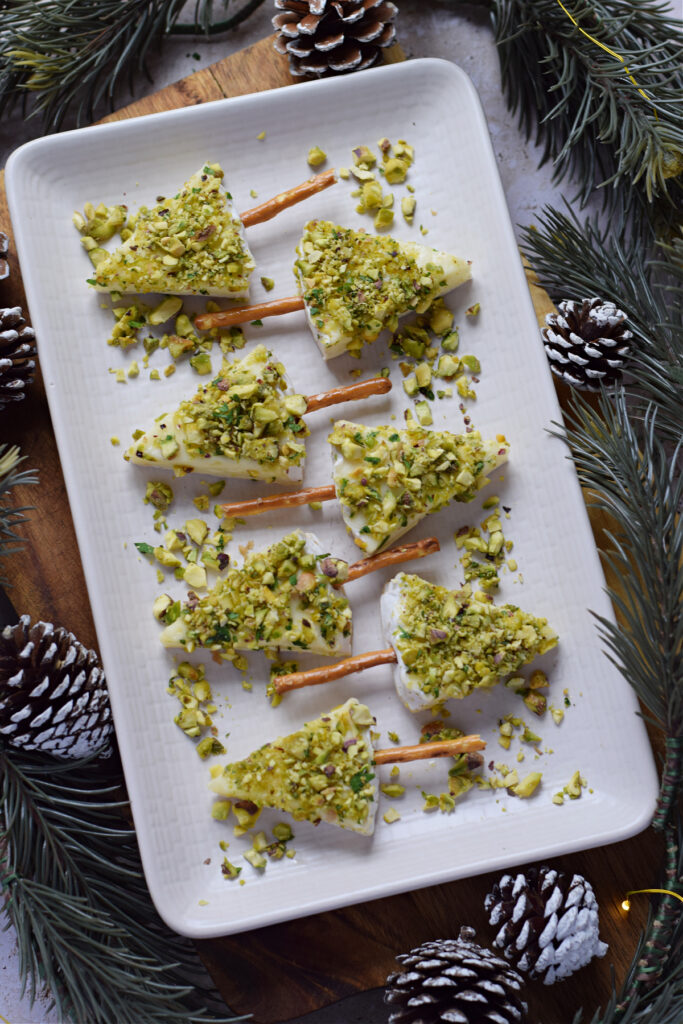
pixel 62 58
pixel 12 516
pixel 602 126
pixel 74 891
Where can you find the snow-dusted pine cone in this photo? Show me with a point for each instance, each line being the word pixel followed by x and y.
pixel 587 343
pixel 4 253
pixel 454 981
pixel 17 346
pixel 547 922
pixel 53 694
pixel 329 37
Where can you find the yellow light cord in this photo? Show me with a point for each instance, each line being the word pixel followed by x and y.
pixel 4 1019
pixel 602 46
pixel 626 905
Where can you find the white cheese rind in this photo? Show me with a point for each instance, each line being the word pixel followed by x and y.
pixel 390 613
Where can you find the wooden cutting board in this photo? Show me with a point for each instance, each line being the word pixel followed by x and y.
pixel 285 971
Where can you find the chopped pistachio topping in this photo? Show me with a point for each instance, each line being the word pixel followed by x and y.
pixel 280 597
pixel 189 244
pixel 355 284
pixel 190 686
pixel 451 642
pixel 321 772
pixel 100 222
pixel 129 321
pixel 242 415
pixel 316 156
pixel 386 479
pixel 408 204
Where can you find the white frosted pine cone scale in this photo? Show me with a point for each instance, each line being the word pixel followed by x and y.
pixel 547 922
pixel 326 37
pixel 587 343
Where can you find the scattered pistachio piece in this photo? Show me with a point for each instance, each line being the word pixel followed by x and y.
pixel 316 156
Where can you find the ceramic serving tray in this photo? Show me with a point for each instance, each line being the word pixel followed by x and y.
pixel 262 142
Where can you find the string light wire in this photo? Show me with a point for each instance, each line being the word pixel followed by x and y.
pixel 612 53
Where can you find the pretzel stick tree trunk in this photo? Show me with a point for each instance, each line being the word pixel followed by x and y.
pixel 328 673
pixel 424 751
pixel 243 314
pixel 271 207
pixel 348 393
pixel 255 506
pixel 393 556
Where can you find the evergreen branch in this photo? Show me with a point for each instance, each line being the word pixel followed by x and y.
pixel 11 516
pixel 77 898
pixel 72 54
pixel 215 28
pixel 589 115
pixel 652 992
pixel 587 108
pixel 631 476
pixel 577 260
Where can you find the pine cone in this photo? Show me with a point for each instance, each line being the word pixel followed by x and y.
pixel 4 253
pixel 53 694
pixel 547 922
pixel 17 345
pixel 587 343
pixel 327 37
pixel 454 981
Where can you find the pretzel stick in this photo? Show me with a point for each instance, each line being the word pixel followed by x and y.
pixel 393 556
pixel 255 506
pixel 242 314
pixel 265 211
pixel 438 748
pixel 328 673
pixel 348 393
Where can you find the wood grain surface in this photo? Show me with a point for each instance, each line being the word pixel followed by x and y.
pixel 287 970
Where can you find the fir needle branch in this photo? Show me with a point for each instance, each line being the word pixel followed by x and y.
pixel 632 476
pixel 652 992
pixel 600 125
pixel 78 900
pixel 12 516
pixel 71 54
pixel 215 28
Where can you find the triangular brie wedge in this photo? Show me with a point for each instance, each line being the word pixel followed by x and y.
pixel 246 422
pixel 322 772
pixel 190 244
pixel 387 480
pixel 355 285
pixel 451 642
pixel 278 598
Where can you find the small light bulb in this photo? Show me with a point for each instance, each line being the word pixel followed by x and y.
pixel 626 905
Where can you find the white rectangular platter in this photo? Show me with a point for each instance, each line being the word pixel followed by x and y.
pixel 460 203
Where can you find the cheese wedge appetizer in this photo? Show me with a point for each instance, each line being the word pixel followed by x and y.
pixel 448 643
pixel 354 285
pixel 282 598
pixel 387 480
pixel 246 422
pixel 322 772
pixel 189 244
